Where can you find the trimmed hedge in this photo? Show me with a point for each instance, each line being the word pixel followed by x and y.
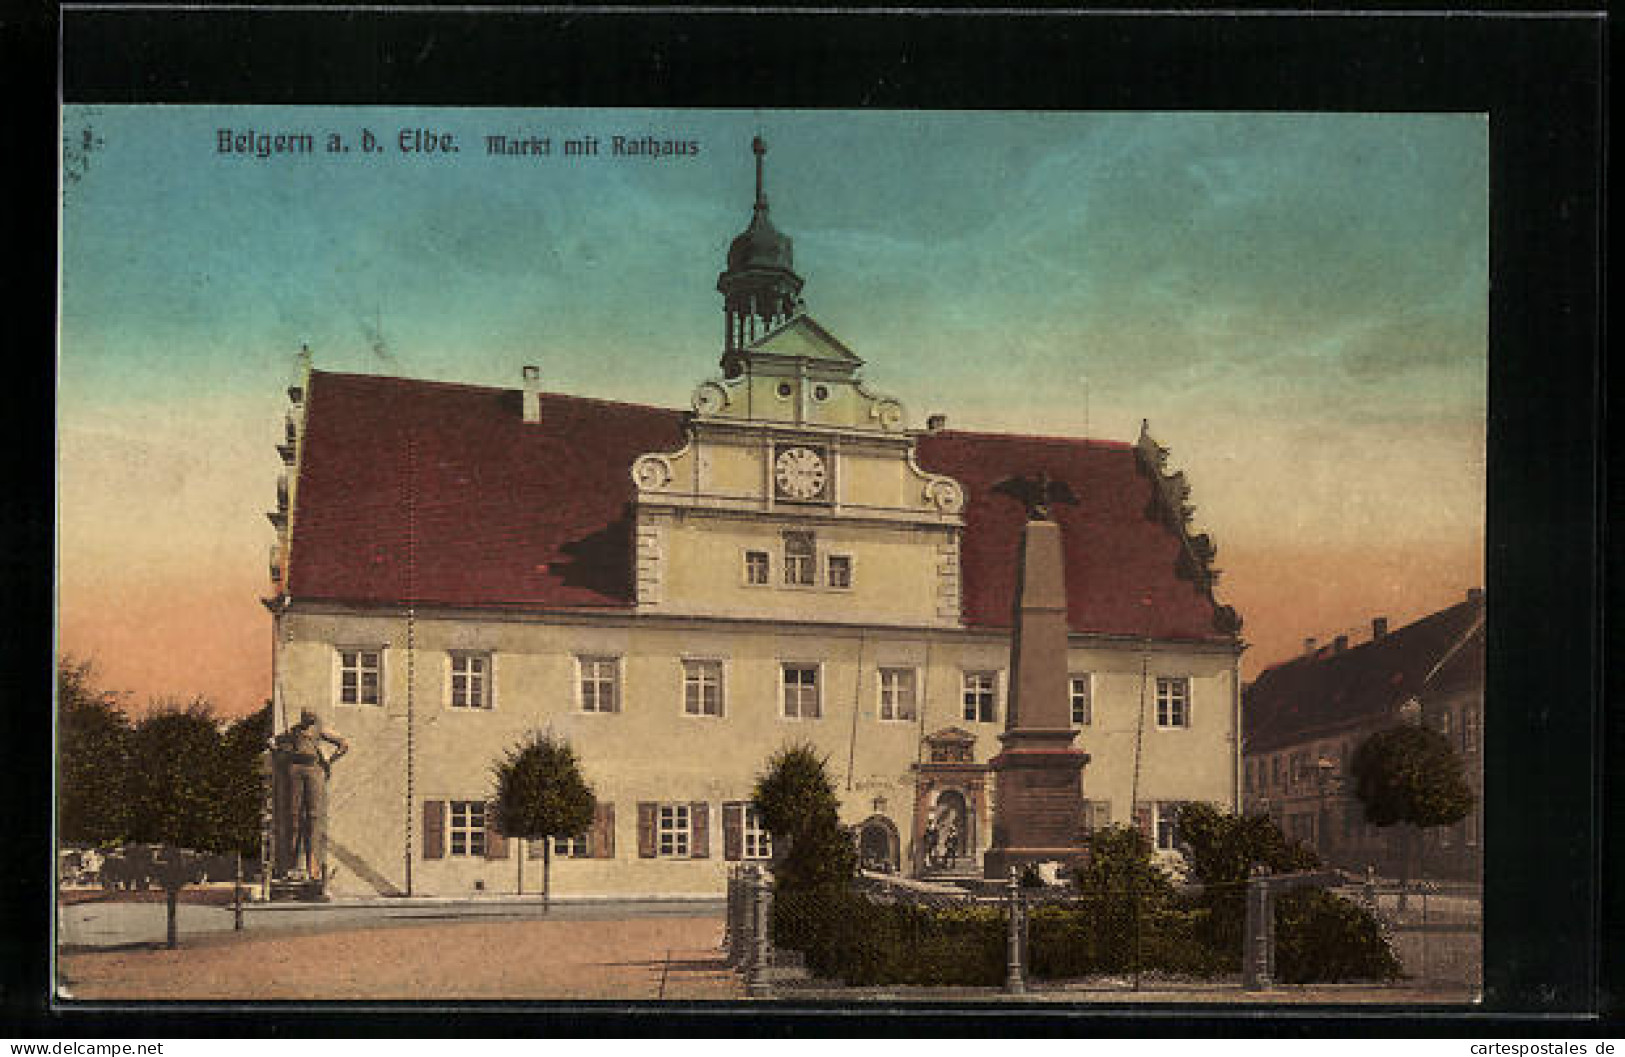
pixel 847 937
pixel 1072 941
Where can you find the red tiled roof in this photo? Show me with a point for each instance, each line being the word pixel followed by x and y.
pixel 1327 690
pixel 495 512
pixel 1120 560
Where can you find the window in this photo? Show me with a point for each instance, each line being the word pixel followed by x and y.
pixel 672 836
pixel 840 570
pixel 600 684
pixel 361 677
pixel 702 688
pixel 571 848
pixel 981 697
pixel 1097 814
pixel 468 828
pixel 470 680
pixel 756 568
pixel 1251 776
pixel 800 559
pixel 897 693
pixel 1275 770
pixel 1469 729
pixel 1167 835
pixel 758 842
pixel 801 691
pixel 1173 701
pixel 1082 700
pixel 1444 723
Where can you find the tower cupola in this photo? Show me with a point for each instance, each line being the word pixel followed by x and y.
pixel 760 288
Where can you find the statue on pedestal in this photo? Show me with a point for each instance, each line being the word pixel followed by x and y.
pixel 301 774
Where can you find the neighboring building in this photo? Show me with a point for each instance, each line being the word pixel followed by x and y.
pixel 680 594
pixel 1303 720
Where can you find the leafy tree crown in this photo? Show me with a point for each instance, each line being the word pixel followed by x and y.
pixel 799 808
pixel 541 792
pixel 1410 774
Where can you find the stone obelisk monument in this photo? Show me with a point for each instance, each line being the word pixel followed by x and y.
pixel 1038 806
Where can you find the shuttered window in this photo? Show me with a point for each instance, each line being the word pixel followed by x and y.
pixel 674 831
pixel 743 835
pixel 467 828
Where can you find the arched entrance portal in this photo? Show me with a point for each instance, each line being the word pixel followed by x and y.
pixel 879 847
pixel 950 838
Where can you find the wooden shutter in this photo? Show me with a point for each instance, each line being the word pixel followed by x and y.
pixel 733 831
pixel 601 845
pixel 434 829
pixel 699 820
pixel 1145 820
pixel 496 845
pixel 646 831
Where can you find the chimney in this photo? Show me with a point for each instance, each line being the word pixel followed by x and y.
pixel 1309 644
pixel 1475 594
pixel 1340 644
pixel 1379 627
pixel 936 423
pixel 532 395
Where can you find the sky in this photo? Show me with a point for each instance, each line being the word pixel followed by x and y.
pixel 1296 302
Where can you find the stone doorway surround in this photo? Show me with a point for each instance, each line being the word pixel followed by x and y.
pixel 948 778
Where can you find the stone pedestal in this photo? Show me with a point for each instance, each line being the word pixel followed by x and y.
pixel 1038 805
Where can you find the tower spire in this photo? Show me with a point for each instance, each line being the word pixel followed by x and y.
pixel 760 288
pixel 759 146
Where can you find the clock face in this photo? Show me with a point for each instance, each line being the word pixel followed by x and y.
pixel 800 473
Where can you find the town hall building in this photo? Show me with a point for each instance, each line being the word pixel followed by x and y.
pixel 681 593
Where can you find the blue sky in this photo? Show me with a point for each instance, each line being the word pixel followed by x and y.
pixel 1297 302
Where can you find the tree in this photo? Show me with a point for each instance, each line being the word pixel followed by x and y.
pixel 1319 937
pixel 798 806
pixel 174 791
pixel 1410 775
pixel 541 795
pixel 1223 850
pixel 242 782
pixel 92 746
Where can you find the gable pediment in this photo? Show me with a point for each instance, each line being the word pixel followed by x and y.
pixel 804 338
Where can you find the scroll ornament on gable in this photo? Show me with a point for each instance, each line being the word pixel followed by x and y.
pixel 1170 504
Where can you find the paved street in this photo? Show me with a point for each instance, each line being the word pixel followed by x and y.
pixel 661 956
pixel 119 922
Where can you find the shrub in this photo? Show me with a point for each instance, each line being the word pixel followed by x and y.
pixel 1323 938
pixel 1319 937
pixel 845 936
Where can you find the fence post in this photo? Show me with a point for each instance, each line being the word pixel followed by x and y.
pixel 761 955
pixel 1257 942
pixel 1015 982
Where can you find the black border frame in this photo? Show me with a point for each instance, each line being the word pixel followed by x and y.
pixel 1541 78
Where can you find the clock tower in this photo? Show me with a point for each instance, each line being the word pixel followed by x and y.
pixel 797 493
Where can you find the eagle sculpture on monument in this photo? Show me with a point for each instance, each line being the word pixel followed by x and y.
pixel 1037 493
